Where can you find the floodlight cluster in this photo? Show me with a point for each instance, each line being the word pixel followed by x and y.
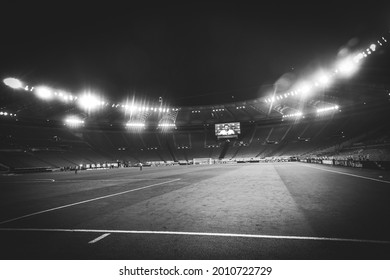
pixel 7 114
pixel 167 125
pixel 87 101
pixel 74 121
pixel 90 101
pixel 326 109
pixel 343 68
pixel 13 83
pixel 135 125
pixel 294 115
pixel 182 147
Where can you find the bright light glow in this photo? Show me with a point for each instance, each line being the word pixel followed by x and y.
pixel 304 88
pixel 89 102
pixel 44 92
pixel 323 79
pixel 135 125
pixel 13 83
pixel 326 109
pixel 347 66
pixel 295 115
pixel 74 121
pixel 358 57
pixel 166 125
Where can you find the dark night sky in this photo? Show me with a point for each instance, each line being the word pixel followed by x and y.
pixel 189 53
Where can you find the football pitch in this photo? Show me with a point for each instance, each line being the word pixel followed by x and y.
pixel 227 211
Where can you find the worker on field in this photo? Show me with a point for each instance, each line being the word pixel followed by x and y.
pixel 140 166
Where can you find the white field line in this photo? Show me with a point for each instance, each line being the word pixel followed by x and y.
pixel 31 181
pixel 260 236
pixel 85 201
pixel 80 180
pixel 99 238
pixel 349 174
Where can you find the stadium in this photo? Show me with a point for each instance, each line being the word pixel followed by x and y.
pixel 298 169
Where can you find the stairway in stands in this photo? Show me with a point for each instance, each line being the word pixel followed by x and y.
pixel 224 149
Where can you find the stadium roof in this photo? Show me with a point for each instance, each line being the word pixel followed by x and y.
pixel 191 54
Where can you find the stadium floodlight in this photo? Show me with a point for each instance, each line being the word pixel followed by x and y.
pixel 294 115
pixel 304 88
pixel 44 92
pixel 347 66
pixel 13 83
pixel 74 121
pixel 166 126
pixel 323 79
pixel 327 109
pixel 135 125
pixel 89 102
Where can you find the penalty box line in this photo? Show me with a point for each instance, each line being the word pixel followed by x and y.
pixel 86 201
pixel 259 236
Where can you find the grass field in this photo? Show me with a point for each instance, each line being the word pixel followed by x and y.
pixel 243 211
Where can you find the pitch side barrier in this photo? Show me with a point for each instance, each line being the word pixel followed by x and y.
pixel 368 164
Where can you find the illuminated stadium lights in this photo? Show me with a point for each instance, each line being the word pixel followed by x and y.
pixel 74 121
pixel 347 66
pixel 326 109
pixel 89 102
pixel 182 147
pixel 13 83
pixel 304 88
pixel 323 79
pixel 218 110
pixel 240 107
pixel 165 126
pixel 6 114
pixel 135 125
pixel 195 111
pixel 134 108
pixel 295 115
pixel 44 92
pixel 86 101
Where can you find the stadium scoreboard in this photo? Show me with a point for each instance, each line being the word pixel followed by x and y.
pixel 227 130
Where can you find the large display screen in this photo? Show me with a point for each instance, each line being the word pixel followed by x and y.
pixel 226 130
